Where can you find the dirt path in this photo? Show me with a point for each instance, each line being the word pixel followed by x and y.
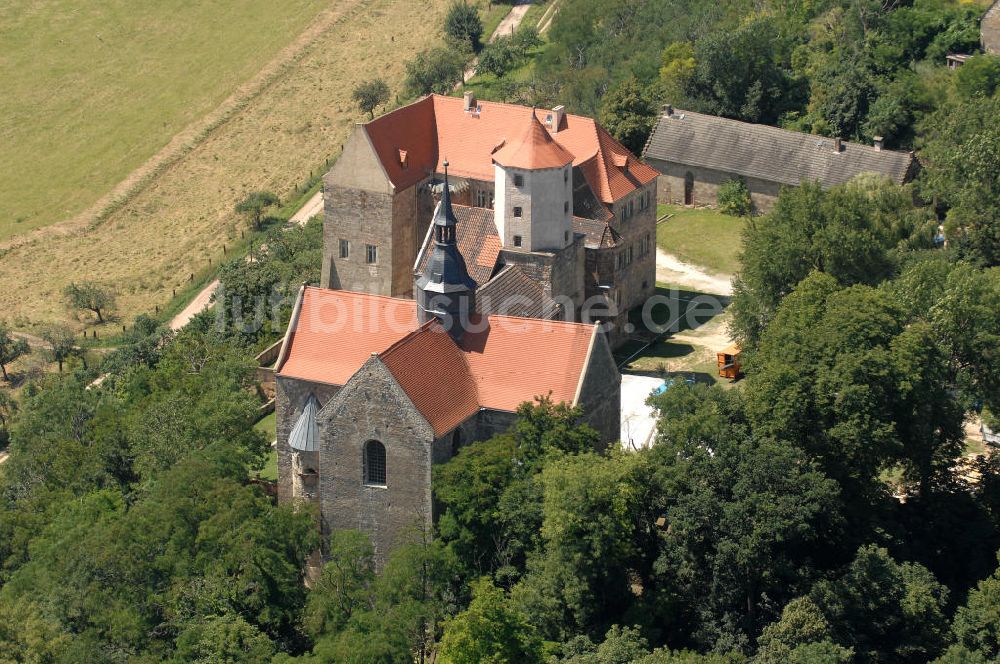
pixel 508 25
pixel 672 270
pixel 3 457
pixel 202 300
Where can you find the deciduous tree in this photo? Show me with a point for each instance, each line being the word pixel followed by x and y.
pixel 90 296
pixel 369 95
pixel 11 348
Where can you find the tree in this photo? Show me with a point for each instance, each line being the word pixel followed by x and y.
pixel 226 638
pixel 11 348
pixel 884 610
pixel 977 624
pixel 7 409
pixel 628 115
pixel 345 586
pixel 490 630
pixel 90 296
pixel 434 70
pixel 854 232
pixel 979 76
pixel 462 23
pixel 254 205
pixel 960 150
pixel 802 624
pixel 62 344
pixel 497 57
pixel 369 95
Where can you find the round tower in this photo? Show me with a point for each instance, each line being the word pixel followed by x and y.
pixel 445 290
pixel 533 203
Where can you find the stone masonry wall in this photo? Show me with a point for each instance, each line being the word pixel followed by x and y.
pixel 706 186
pixel 600 396
pixel 290 397
pixel 372 406
pixel 360 217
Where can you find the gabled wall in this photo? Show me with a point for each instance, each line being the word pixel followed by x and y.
pixel 600 395
pixel 372 406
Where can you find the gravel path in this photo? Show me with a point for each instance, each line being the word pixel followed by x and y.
pixel 508 25
pixel 675 271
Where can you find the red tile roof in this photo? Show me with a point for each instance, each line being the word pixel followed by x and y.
pixel 325 342
pixel 435 128
pixel 534 149
pixel 451 397
pixel 509 360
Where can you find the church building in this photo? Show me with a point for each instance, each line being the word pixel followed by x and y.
pixel 373 390
pixel 555 215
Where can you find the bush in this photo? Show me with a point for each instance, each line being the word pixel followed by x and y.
pixel 980 76
pixel 498 57
pixel 734 198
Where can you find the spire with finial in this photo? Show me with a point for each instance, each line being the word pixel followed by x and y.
pixel 445 290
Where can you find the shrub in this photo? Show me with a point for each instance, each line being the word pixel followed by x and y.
pixel 734 198
pixel 434 70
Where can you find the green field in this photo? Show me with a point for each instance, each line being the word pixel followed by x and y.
pixel 703 237
pixel 270 470
pixel 92 89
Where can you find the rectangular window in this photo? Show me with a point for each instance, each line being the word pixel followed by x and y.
pixel 566 207
pixel 566 236
pixel 518 181
pixel 371 253
pixel 517 212
pixel 517 240
pixel 345 249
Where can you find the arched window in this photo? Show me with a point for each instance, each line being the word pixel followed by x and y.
pixel 374 461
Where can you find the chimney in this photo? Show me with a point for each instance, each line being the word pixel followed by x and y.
pixel 668 110
pixel 838 144
pixel 557 116
pixel 879 142
pixel 469 101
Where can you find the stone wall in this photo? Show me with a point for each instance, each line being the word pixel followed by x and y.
pixel 706 186
pixel 559 273
pixel 290 397
pixel 989 30
pixel 372 406
pixel 600 396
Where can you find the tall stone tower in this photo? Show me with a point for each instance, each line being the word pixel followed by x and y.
pixel 534 191
pixel 445 290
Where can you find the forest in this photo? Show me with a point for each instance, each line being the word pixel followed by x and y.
pixel 824 510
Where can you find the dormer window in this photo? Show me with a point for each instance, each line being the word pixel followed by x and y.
pixel 404 161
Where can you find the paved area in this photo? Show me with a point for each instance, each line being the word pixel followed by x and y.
pixel 638 419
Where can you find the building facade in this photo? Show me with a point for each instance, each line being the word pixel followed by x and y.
pixel 567 213
pixel 989 29
pixel 695 153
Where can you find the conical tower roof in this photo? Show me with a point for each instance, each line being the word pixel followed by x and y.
pixel 305 434
pixel 535 149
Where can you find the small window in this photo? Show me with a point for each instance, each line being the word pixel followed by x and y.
pixel 518 181
pixel 371 253
pixel 374 461
pixel 566 207
pixel 566 237
pixel 566 175
pixel 345 249
pixel 517 212
pixel 517 240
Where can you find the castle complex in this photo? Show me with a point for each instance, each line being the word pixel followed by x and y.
pixel 554 214
pixel 476 256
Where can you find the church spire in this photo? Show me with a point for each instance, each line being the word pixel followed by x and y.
pixel 445 290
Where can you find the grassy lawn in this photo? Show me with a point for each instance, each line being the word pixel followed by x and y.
pixel 266 426
pixel 93 89
pixel 276 138
pixel 703 237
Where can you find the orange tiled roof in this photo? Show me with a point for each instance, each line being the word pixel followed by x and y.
pixel 435 128
pixel 451 397
pixel 336 334
pixel 534 149
pixel 509 360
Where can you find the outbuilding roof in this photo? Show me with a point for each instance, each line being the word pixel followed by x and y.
pixel 500 362
pixel 436 128
pixel 767 153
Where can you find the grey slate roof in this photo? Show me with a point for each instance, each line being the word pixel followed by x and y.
pixel 767 153
pixel 305 434
pixel 513 293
